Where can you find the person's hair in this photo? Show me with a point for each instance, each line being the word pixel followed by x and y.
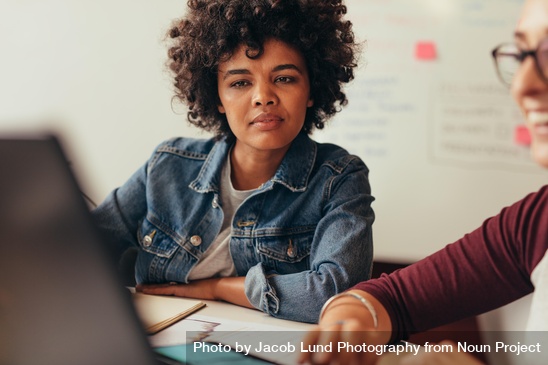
pixel 212 30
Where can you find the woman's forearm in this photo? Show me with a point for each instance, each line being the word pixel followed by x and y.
pixel 229 289
pixel 345 307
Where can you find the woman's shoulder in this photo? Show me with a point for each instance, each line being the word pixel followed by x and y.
pixel 534 203
pixel 542 193
pixel 526 221
pixel 188 147
pixel 338 157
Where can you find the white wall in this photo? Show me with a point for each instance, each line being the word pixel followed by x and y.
pixel 94 72
pixel 436 130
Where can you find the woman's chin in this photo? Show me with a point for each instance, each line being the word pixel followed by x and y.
pixel 539 153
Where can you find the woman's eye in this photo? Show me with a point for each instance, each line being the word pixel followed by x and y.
pixel 284 79
pixel 239 84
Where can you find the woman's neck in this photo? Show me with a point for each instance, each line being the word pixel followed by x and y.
pixel 251 169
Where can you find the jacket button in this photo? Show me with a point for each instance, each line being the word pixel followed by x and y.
pixel 147 240
pixel 196 240
pixel 215 203
pixel 291 252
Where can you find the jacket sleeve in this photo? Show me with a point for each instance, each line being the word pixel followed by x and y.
pixel 117 217
pixel 341 253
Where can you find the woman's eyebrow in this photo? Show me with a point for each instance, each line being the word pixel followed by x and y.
pixel 519 36
pixel 286 66
pixel 238 71
pixel 243 71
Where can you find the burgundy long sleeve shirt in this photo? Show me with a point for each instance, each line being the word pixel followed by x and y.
pixel 484 270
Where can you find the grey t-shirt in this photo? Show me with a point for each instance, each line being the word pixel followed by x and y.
pixel 217 261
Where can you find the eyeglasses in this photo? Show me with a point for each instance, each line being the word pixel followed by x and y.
pixel 508 58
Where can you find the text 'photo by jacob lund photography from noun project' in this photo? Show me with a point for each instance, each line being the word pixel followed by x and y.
pixel 285 347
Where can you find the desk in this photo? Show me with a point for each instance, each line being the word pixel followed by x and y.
pixel 236 313
pixel 228 314
pixel 231 312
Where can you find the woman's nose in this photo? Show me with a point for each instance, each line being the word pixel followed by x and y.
pixel 527 79
pixel 264 95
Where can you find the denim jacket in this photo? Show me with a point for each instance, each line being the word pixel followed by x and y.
pixel 302 237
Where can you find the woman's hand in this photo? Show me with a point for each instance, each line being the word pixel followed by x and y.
pixel 347 320
pixel 230 289
pixel 349 331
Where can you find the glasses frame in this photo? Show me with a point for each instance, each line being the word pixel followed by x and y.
pixel 520 57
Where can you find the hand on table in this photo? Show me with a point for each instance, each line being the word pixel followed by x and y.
pixel 229 289
pixel 347 320
pixel 350 331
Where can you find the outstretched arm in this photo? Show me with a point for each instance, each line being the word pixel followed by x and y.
pixel 230 289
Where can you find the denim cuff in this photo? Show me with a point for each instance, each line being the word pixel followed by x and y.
pixel 259 292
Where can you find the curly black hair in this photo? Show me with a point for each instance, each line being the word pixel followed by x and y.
pixel 212 30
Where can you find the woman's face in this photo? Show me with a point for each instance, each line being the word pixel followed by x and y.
pixel 265 99
pixel 528 88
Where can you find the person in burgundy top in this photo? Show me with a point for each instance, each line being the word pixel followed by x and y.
pixel 504 259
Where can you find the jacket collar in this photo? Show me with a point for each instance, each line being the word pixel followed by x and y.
pixel 296 167
pixel 293 172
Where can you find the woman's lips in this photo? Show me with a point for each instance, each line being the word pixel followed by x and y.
pixel 538 122
pixel 267 121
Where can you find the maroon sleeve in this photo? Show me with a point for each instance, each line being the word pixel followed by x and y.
pixel 484 270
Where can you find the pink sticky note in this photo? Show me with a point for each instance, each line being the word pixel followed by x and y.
pixel 522 136
pixel 425 51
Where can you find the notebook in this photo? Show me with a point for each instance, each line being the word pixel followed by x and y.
pixel 159 312
pixel 61 299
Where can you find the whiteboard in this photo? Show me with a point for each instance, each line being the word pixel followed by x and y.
pixel 432 122
pixel 426 111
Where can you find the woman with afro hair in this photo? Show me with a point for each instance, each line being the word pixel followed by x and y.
pixel 259 215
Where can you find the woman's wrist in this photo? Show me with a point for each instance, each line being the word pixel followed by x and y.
pixel 356 296
pixel 344 307
pixel 348 308
pixel 230 289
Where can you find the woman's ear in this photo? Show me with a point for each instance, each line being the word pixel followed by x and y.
pixel 309 103
pixel 221 109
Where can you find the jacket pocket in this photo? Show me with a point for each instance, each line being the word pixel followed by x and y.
pixel 285 254
pixel 155 240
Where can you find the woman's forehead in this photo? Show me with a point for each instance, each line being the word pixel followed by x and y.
pixel 533 22
pixel 272 49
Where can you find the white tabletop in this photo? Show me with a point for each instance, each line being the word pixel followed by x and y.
pixel 236 313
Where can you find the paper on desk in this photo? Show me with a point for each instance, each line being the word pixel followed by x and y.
pixel 160 312
pixel 228 332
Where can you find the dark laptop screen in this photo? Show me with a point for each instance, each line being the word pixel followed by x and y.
pixel 60 298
